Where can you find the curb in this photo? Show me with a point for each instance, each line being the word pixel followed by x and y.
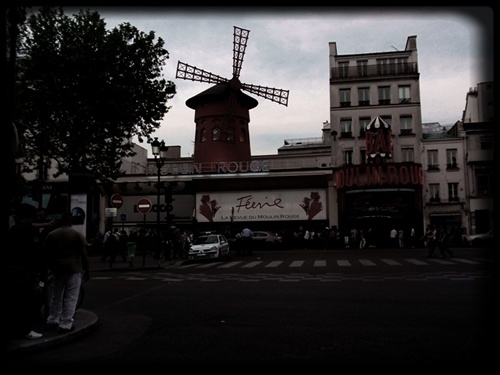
pixel 85 322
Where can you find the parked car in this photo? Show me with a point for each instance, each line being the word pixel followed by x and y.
pixel 209 246
pixel 481 239
pixel 270 240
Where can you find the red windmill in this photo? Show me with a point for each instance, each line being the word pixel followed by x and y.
pixel 222 111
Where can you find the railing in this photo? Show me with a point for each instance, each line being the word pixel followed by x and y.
pixel 367 71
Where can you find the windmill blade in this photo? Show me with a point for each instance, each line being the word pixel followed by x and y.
pixel 192 73
pixel 239 46
pixel 271 93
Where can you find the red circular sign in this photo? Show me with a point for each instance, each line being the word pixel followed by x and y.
pixel 116 200
pixel 144 205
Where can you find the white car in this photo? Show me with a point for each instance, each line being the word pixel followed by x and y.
pixel 481 239
pixel 209 246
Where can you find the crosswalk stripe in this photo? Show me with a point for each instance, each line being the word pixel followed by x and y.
pixel 209 265
pixel 344 263
pixel 251 264
pixel 417 262
pixel 441 261
pixel 189 265
pixel 229 265
pixel 320 263
pixel 466 261
pixel 366 262
pixel 391 262
pixel 275 263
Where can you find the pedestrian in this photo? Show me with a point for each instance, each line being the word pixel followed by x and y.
pixel 27 276
pixel 131 247
pixel 353 238
pixel 443 239
pixel 394 237
pixel 66 253
pixel 246 240
pixel 110 245
pixel 362 239
pixel 412 238
pixel 122 245
pixel 430 241
pixel 401 238
pixel 346 239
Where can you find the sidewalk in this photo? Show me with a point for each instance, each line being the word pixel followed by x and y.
pixel 85 321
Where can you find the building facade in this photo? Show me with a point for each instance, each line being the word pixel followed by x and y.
pixel 375 167
pixel 477 131
pixel 376 129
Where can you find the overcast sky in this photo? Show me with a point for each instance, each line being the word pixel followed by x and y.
pixel 289 49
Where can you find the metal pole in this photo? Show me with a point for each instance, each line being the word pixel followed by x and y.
pixel 159 151
pixel 144 241
pixel 158 238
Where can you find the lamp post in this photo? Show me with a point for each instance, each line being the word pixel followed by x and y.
pixel 160 153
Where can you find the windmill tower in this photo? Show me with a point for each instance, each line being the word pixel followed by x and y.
pixel 222 111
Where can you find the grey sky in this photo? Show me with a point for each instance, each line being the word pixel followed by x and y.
pixel 288 49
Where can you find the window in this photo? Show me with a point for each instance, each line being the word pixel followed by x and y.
pixel 345 97
pixel 451 159
pixel 228 134
pixel 405 124
pixel 392 65
pixel 384 95
pixel 346 128
pixel 204 135
pixel 453 192
pixel 484 183
pixel 387 119
pixel 243 136
pixel 216 134
pixel 362 67
pixel 343 69
pixel 383 66
pixel 486 142
pixel 404 94
pixel 434 192
pixel 347 156
pixel 407 154
pixel 432 160
pixel 364 96
pixel 363 123
pixel 362 154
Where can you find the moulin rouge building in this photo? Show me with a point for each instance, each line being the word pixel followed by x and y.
pixel 365 171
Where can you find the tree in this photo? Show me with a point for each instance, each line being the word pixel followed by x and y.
pixel 84 92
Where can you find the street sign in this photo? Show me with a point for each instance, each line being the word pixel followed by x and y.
pixel 110 212
pixel 123 217
pixel 116 200
pixel 144 205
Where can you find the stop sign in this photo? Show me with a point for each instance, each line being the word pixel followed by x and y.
pixel 116 200
pixel 144 205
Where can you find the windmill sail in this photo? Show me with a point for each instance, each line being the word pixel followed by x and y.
pixel 240 38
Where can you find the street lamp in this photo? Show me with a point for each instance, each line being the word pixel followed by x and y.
pixel 160 153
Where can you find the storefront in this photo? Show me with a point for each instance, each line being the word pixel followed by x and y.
pixel 377 198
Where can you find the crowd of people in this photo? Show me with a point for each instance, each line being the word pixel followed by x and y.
pixel 115 245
